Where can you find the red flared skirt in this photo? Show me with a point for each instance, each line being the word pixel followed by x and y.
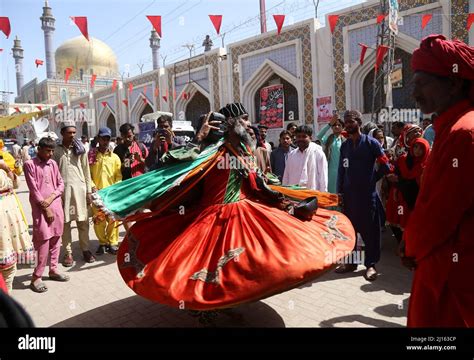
pixel 228 254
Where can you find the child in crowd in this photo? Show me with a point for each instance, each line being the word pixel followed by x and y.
pixel 46 187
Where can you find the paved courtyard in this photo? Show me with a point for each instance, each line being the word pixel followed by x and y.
pixel 96 296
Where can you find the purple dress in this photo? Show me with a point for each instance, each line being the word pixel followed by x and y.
pixel 43 179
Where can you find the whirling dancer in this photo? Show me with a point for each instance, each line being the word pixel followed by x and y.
pixel 217 236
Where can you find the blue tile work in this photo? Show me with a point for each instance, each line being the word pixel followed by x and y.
pixel 358 16
pixel 284 57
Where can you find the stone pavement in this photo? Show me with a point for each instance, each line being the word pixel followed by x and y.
pixel 96 296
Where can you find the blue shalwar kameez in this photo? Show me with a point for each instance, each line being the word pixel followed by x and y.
pixel 357 177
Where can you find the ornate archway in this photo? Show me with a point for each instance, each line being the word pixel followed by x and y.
pixel 196 102
pixel 85 129
pixel 355 98
pixel 290 98
pixel 112 124
pixel 142 106
pixel 147 110
pixel 198 105
pixel 107 118
pixel 259 79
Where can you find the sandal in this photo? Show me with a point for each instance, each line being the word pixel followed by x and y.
pixel 58 277
pixel 40 288
pixel 371 274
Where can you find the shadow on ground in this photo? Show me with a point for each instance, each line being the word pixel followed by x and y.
pixel 394 310
pixel 392 278
pixel 357 320
pixel 136 311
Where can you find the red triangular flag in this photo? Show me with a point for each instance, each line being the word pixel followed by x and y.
pixel 145 100
pixel 183 95
pixel 217 22
pixel 279 20
pixel 68 73
pixel 104 103
pixel 333 21
pixel 17 110
pixel 381 51
pixel 81 22
pixel 144 90
pixel 470 21
pixel 82 105
pixel 380 18
pixel 61 106
pixel 93 78
pixel 38 62
pixel 114 85
pixel 1 50
pixel 39 107
pixel 157 92
pixel 425 20
pixel 165 98
pixel 174 95
pixel 130 87
pixel 362 52
pixel 125 101
pixel 156 22
pixel 5 25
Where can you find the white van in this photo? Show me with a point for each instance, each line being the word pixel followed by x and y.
pixel 181 128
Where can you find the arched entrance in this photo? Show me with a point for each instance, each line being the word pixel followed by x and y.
pixel 290 98
pixel 85 129
pixel 147 110
pixel 112 124
pixel 197 106
pixel 265 75
pixel 402 95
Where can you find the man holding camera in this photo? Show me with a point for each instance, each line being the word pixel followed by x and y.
pixel 164 140
pixel 132 154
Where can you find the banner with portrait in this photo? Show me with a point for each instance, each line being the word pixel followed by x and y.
pixel 324 106
pixel 272 106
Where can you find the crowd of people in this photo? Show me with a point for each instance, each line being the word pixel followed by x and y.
pixel 404 181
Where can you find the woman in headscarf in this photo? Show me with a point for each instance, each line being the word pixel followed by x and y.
pixel 15 240
pixel 397 209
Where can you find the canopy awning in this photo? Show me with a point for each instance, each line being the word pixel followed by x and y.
pixel 13 121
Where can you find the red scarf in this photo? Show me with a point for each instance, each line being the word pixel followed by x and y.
pixel 419 163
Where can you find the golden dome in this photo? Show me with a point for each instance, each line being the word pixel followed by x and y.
pixel 93 57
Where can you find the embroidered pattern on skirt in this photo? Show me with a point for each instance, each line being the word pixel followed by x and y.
pixel 213 276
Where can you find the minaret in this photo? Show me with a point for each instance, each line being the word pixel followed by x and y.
pixel 155 47
pixel 18 56
pixel 47 25
pixel 263 17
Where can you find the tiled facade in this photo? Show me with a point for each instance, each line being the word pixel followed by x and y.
pixel 411 26
pixel 292 50
pixel 197 62
pixel 284 57
pixel 304 34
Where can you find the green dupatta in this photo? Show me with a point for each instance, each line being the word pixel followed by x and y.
pixel 123 198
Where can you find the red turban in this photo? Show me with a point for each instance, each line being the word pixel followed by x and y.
pixel 442 57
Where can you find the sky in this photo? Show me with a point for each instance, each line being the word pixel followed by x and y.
pixel 124 27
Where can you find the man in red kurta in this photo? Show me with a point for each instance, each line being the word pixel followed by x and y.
pixel 439 237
